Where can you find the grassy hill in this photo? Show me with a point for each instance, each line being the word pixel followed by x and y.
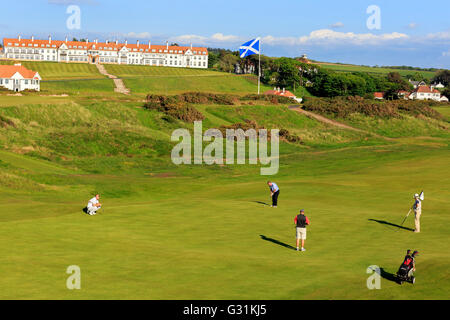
pixel 60 71
pixel 85 79
pixel 373 70
pixel 204 231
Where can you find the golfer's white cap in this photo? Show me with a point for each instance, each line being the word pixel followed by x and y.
pixel 416 195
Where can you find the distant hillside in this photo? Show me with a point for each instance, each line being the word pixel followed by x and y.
pixel 427 74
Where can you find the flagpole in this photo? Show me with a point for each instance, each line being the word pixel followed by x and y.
pixel 259 65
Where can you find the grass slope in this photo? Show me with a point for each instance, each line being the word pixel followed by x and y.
pixel 202 232
pixel 374 70
pixel 61 71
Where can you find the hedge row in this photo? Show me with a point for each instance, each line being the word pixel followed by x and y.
pixel 342 107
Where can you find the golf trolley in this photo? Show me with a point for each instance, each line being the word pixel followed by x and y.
pixel 405 272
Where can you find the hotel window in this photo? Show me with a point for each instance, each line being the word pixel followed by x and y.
pixel 26 81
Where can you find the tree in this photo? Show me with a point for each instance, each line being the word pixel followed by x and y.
pixel 442 76
pixel 227 62
pixel 396 78
pixel 288 72
pixel 446 92
pixel 213 59
pixel 416 77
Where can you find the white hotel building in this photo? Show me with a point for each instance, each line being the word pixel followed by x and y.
pixel 105 52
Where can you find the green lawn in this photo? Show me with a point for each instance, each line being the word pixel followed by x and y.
pixel 374 70
pixel 203 232
pixel 78 86
pixel 174 84
pixel 61 71
pixel 152 71
pixel 444 110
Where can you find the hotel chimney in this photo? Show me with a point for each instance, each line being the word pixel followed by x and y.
pixel 117 42
pixel 66 39
pixel 32 38
pixel 167 45
pixel 20 37
pixel 49 39
pixel 137 42
pixel 149 44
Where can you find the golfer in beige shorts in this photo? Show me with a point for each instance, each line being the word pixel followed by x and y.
pixel 301 221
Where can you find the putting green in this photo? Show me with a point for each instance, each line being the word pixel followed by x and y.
pixel 175 237
pixel 204 232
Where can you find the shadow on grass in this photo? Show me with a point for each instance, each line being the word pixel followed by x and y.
pixel 277 242
pixel 391 224
pixel 388 276
pixel 260 202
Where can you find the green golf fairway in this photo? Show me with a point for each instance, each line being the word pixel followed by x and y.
pixel 175 237
pixel 208 232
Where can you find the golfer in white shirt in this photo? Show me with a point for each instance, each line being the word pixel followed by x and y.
pixel 93 205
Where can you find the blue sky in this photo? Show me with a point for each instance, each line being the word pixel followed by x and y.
pixel 412 32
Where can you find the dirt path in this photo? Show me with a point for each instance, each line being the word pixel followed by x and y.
pixel 335 123
pixel 120 86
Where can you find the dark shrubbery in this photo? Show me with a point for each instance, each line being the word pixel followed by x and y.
pixel 342 107
pixel 195 98
pixel 252 124
pixel 5 122
pixel 274 99
pixel 173 108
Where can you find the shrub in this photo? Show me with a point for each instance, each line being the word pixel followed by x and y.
pixel 342 107
pixel 173 108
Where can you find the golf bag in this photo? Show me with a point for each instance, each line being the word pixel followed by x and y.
pixel 404 273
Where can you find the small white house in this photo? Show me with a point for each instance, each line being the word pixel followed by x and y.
pixel 437 85
pixel 425 93
pixel 18 78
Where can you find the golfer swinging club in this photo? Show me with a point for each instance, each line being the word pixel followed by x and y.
pixel 93 205
pixel 274 192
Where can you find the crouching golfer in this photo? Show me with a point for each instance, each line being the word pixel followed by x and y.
pixel 93 205
pixel 301 221
pixel 417 207
pixel 274 192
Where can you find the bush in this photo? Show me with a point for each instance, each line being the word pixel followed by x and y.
pixel 173 108
pixel 274 99
pixel 284 134
pixel 342 107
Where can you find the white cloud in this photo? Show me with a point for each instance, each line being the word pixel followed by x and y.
pixel 326 36
pixel 222 37
pixel 412 25
pixel 139 35
pixel 337 25
pixel 446 53
pixel 197 39
pixel 444 35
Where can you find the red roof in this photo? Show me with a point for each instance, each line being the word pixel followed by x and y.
pixel 110 46
pixel 286 93
pixel 426 89
pixel 378 94
pixel 7 71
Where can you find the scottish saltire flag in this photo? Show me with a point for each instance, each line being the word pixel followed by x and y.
pixel 249 48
